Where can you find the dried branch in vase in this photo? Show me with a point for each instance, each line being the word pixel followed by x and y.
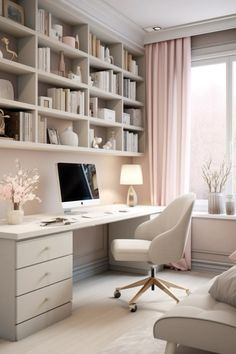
pixel 215 178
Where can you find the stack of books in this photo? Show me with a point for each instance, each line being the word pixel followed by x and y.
pixel 129 89
pixel 44 22
pixel 106 80
pixel 67 100
pixel 135 116
pixel 130 141
pixel 44 55
pixel 96 48
pixel 129 63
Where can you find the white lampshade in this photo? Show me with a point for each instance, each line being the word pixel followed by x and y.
pixel 131 175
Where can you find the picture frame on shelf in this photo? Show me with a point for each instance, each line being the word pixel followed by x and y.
pixel 45 101
pixel 53 136
pixel 13 11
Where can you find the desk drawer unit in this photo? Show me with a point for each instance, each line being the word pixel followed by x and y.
pixel 43 249
pixel 37 288
pixel 43 274
pixel 43 300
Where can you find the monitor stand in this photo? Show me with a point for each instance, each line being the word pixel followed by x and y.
pixel 74 212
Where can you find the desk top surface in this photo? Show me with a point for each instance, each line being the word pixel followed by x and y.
pixel 32 225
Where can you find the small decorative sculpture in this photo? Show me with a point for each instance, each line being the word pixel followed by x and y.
pixel 2 122
pixel 107 146
pixel 96 142
pixel 5 40
pixel 62 67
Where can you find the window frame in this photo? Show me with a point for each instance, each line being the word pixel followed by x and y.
pixel 215 55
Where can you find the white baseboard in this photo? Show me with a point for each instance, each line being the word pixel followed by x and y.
pixel 89 269
pixel 210 266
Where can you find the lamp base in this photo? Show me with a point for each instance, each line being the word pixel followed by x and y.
pixel 132 199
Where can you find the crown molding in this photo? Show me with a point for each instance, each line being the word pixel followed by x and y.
pixel 101 16
pixel 192 29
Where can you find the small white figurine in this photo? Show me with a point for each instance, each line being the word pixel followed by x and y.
pixel 96 142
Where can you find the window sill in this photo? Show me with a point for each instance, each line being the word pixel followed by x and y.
pixel 205 215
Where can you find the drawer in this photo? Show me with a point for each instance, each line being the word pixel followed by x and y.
pixel 43 249
pixel 42 300
pixel 35 324
pixel 43 274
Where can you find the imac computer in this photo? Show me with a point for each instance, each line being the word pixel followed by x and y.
pixel 78 186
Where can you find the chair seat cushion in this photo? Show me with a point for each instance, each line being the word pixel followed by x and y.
pixel 130 250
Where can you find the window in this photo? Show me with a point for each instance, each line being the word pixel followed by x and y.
pixel 213 118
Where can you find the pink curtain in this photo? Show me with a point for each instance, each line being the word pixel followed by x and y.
pixel 168 67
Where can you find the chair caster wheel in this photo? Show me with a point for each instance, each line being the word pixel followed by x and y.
pixel 133 307
pixel 117 294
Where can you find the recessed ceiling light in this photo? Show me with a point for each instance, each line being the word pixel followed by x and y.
pixel 156 28
pixel 152 28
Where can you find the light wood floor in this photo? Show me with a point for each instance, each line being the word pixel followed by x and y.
pixel 98 318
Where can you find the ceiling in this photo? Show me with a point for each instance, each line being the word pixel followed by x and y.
pixel 169 13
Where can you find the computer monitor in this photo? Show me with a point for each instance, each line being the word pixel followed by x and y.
pixel 78 185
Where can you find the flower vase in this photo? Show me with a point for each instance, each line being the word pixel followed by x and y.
pixel 15 216
pixel 216 203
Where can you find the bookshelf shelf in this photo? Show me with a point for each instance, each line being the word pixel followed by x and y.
pixel 15 67
pixel 58 46
pixel 15 29
pixel 16 104
pixel 58 80
pixel 33 85
pixel 101 64
pixel 24 145
pixel 94 91
pixel 132 103
pixel 55 113
pixel 104 123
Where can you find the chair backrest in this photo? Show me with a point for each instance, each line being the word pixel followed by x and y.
pixel 169 230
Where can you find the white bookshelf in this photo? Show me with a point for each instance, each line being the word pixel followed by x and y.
pixel 29 82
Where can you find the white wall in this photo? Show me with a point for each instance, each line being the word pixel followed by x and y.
pixel 108 170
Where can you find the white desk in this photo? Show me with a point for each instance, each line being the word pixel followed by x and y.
pixel 36 268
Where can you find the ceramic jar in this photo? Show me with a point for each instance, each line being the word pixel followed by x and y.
pixel 216 203
pixel 68 137
pixel 15 217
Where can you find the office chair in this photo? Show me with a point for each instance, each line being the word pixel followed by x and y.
pixel 157 241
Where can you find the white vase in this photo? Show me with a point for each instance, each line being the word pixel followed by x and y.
pixel 216 203
pixel 15 217
pixel 68 137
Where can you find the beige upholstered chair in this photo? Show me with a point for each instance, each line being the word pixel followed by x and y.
pixel 157 241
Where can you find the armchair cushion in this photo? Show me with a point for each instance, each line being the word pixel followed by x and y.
pixel 224 287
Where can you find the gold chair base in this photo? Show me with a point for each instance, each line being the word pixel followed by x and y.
pixel 150 282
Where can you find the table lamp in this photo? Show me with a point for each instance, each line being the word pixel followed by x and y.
pixel 131 175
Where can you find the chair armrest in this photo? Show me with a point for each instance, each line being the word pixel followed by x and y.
pixel 150 229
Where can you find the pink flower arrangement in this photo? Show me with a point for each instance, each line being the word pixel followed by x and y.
pixel 20 188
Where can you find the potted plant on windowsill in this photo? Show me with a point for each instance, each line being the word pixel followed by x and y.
pixel 216 179
pixel 18 189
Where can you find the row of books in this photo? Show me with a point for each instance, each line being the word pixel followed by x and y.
pixel 96 48
pixel 44 55
pixel 129 89
pixel 44 22
pixel 106 80
pixel 42 130
pixel 19 126
pixel 135 116
pixel 130 142
pixel 129 63
pixel 67 100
